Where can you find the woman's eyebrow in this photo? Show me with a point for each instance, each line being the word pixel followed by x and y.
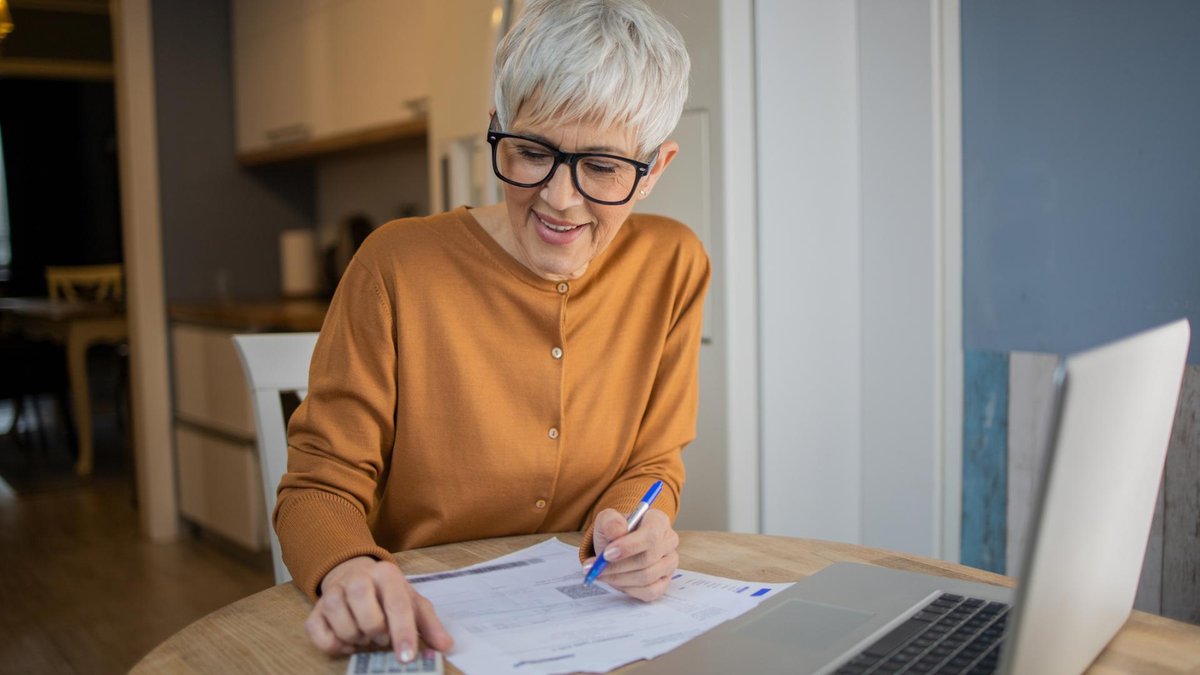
pixel 603 149
pixel 607 149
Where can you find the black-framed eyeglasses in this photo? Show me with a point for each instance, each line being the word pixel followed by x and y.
pixel 602 178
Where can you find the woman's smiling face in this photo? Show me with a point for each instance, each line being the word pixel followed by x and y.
pixel 555 231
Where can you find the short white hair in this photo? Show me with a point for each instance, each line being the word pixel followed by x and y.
pixel 604 61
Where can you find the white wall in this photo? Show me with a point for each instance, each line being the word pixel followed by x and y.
pixel 855 299
pixel 809 262
pixel 900 480
pixel 739 286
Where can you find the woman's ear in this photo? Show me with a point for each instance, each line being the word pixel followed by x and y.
pixel 666 153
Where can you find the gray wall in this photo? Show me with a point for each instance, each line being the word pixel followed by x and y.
pixel 220 222
pixel 1081 160
pixel 381 183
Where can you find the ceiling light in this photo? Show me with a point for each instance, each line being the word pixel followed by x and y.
pixel 6 24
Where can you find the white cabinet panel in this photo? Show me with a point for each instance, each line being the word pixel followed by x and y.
pixel 375 64
pixel 308 70
pixel 273 66
pixel 219 487
pixel 210 389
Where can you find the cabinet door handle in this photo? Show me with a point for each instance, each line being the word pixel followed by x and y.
pixel 289 133
pixel 417 107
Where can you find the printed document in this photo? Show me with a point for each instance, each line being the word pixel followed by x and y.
pixel 528 612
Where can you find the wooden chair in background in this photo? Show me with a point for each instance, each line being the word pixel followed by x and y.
pixel 97 283
pixel 276 366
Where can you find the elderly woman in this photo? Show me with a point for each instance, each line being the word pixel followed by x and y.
pixel 529 366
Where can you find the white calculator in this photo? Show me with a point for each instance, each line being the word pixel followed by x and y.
pixel 368 663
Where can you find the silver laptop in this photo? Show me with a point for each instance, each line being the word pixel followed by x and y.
pixel 1114 409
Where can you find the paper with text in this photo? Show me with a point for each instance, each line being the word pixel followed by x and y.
pixel 528 612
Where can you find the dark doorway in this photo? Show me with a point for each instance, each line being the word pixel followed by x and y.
pixel 60 161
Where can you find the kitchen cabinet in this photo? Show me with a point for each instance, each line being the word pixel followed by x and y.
pixel 209 387
pixel 219 488
pixel 218 474
pixel 327 73
pixel 274 92
pixel 215 439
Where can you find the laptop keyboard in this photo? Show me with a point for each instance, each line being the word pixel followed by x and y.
pixel 951 634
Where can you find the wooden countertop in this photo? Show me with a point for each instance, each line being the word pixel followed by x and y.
pixel 254 316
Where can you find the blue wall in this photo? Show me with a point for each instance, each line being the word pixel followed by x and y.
pixel 1081 160
pixel 220 222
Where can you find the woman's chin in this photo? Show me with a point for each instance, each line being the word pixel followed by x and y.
pixel 562 272
pixel 558 267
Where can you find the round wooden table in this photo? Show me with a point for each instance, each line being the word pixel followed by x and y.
pixel 264 633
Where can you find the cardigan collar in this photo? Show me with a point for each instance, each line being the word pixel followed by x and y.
pixel 523 273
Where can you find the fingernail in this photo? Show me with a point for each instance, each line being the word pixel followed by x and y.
pixel 587 567
pixel 612 553
pixel 381 640
pixel 406 652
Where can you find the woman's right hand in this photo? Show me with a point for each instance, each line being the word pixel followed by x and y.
pixel 365 601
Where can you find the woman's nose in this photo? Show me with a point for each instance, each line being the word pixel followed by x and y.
pixel 559 192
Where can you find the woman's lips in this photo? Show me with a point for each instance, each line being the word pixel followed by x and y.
pixel 556 232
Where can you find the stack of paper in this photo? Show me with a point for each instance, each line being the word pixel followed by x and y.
pixel 528 612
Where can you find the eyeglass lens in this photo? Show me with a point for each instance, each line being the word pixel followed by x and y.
pixel 599 178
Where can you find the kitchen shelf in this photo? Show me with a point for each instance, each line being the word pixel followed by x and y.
pixel 332 145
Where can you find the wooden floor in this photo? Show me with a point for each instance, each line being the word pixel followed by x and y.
pixel 80 590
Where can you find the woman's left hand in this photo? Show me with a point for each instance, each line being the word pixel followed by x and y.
pixel 641 562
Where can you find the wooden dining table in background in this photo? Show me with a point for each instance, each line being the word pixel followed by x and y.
pixel 264 633
pixel 78 326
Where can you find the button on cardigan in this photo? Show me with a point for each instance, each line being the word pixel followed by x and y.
pixel 455 395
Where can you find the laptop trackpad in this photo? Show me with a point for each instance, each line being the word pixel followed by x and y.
pixel 810 626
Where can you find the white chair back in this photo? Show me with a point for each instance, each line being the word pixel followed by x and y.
pixel 274 363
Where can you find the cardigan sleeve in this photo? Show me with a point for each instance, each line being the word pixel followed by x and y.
pixel 340 438
pixel 669 421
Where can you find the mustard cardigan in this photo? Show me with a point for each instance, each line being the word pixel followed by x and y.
pixel 455 395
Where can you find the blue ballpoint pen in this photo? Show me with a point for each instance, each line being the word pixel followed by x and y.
pixel 631 524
